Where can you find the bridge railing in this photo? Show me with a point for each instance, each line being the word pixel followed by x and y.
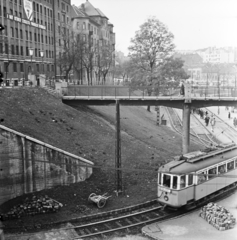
pixel 124 91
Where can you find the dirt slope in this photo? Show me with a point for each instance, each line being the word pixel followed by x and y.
pixel 89 132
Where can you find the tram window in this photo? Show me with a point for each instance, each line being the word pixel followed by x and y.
pixel 230 166
pixel 159 178
pixel 175 182
pixel 221 169
pixel 182 181
pixel 201 177
pixel 211 172
pixel 190 179
pixel 166 180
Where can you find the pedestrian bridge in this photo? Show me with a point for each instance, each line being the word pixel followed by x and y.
pixel 109 95
pixel 74 95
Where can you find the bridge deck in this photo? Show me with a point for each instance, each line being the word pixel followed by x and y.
pixel 170 101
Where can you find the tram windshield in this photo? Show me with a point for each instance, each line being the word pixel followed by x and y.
pixel 169 181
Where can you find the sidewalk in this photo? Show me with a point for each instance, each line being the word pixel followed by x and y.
pixel 193 227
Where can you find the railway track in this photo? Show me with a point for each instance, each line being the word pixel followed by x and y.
pixel 123 221
pixel 176 123
pixel 229 131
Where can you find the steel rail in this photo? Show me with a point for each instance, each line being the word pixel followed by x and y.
pixel 179 131
pixel 164 215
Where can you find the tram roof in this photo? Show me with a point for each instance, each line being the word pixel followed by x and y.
pixel 185 166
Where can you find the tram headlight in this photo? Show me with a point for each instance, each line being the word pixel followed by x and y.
pixel 166 198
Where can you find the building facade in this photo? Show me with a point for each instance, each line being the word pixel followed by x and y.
pixel 28 42
pixel 93 27
pixel 31 44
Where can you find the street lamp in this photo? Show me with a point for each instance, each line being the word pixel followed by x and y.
pixel 31 52
pixel 42 55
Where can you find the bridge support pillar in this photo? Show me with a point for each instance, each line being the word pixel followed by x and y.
pixel 186 128
pixel 118 151
pixel 158 119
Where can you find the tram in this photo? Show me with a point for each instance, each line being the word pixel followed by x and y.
pixel 195 176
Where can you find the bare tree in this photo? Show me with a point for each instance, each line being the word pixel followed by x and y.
pixel 105 60
pixel 67 51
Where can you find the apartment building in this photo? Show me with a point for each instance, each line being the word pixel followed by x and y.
pixel 28 42
pixel 94 27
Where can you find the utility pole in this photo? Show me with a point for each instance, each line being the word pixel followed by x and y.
pixel 118 164
pixel 1 74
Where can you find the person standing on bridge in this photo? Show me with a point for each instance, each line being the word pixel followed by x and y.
pixel 229 116
pixel 182 92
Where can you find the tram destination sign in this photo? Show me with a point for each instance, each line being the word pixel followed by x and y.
pixel 27 22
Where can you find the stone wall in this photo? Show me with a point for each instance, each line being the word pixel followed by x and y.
pixel 28 165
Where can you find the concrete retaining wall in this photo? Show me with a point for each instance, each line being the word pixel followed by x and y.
pixel 28 165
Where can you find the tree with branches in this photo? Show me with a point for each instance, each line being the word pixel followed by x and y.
pixel 105 60
pixel 68 51
pixel 150 47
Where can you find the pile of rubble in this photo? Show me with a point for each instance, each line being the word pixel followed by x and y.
pixel 218 216
pixel 36 205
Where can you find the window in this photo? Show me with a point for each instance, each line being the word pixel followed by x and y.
pixel 36 53
pixel 6 48
pixel 211 173
pixel 21 67
pixel 22 51
pixel 5 12
pixel 12 31
pixel 221 169
pixel 166 180
pixel 31 36
pixel 83 26
pixel 202 177
pixel 14 67
pixel 175 182
pixel 236 163
pixel 26 35
pixel 52 67
pixel 17 50
pixel 183 181
pixel 230 166
pixel 1 48
pixel 37 67
pixel 27 51
pixel 159 178
pixel 21 34
pixel 13 49
pixel 16 32
pixel 59 16
pixel 190 179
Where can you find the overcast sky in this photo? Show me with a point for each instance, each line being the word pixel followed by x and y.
pixel 194 23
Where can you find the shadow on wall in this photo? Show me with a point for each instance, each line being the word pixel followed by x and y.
pixel 28 165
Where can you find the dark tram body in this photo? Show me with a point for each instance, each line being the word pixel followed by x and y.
pixel 196 175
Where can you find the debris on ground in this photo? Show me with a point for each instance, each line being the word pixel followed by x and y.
pixel 33 206
pixel 218 216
